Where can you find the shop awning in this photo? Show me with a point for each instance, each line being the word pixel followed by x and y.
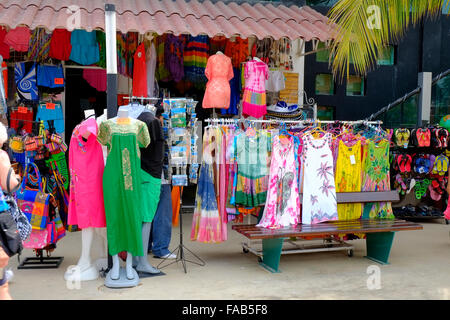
pixel 167 16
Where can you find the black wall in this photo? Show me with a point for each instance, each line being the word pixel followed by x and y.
pixel 387 83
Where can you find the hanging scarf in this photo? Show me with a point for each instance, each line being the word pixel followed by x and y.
pixel 25 77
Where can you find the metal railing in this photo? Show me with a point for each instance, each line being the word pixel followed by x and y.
pixel 405 98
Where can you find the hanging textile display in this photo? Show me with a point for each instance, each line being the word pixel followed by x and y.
pixel 195 58
pixel 286 176
pixel 25 77
pixel 254 100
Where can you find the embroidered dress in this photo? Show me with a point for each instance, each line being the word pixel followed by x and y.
pixel 319 194
pixel 253 169
pixel 86 206
pixel 348 178
pixel 254 100
pixel 122 184
pixel 376 178
pixel 283 204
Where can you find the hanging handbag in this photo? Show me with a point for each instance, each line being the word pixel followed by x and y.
pixel 37 240
pixel 23 225
pixel 34 203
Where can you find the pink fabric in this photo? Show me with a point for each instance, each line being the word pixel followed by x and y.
pixel 256 73
pixel 86 207
pixel 96 78
pixel 447 212
pixel 18 38
pixel 223 188
pixel 283 203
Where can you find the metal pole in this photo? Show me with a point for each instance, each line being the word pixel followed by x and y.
pixel 111 60
pixel 111 70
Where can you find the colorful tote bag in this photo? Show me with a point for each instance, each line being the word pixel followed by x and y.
pixel 34 203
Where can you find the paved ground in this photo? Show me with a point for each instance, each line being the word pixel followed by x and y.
pixel 419 269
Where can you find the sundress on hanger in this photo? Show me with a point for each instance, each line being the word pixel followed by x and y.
pixel 376 178
pixel 348 178
pixel 207 222
pixel 253 168
pixel 319 194
pixel 282 204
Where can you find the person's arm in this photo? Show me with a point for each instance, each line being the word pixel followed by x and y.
pixel 4 259
pixel 5 165
pixel 448 186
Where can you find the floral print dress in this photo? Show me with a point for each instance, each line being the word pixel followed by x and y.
pixel 283 203
pixel 376 178
pixel 319 197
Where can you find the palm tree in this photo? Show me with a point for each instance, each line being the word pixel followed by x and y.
pixel 365 27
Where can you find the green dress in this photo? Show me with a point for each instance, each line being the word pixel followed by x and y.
pixel 122 185
pixel 376 178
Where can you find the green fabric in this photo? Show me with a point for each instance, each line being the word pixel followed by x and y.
pixel 101 40
pixel 151 190
pixel 122 184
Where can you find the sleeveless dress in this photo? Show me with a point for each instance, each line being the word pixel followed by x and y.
pixel 376 178
pixel 348 178
pixel 319 194
pixel 283 203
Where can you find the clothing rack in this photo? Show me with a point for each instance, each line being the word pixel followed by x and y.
pixel 232 121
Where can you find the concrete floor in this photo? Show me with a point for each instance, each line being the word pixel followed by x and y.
pixel 419 269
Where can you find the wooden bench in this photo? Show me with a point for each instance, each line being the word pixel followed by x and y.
pixel 379 233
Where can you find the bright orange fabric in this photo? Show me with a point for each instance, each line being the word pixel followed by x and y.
pixel 176 204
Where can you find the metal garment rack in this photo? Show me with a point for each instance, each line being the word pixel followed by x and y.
pixel 294 245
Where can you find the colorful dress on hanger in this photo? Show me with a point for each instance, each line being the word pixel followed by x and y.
pixel 348 178
pixel 195 57
pixel 219 72
pixel 319 194
pixel 207 224
pixel 253 168
pixel 86 206
pixel 122 182
pixel 254 100
pixel 283 203
pixel 376 178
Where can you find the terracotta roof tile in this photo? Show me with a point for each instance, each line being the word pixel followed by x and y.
pixel 179 16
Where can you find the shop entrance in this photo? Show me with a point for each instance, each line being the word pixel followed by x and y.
pixel 80 96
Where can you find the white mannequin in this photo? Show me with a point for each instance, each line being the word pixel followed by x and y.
pixel 84 269
pixel 257 59
pixel 115 271
pixel 219 52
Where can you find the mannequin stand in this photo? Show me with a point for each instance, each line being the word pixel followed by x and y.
pixel 123 281
pixel 180 250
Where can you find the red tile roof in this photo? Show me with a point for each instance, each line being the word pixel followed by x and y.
pixel 179 16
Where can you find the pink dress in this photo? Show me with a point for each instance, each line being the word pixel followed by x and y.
pixel 86 164
pixel 283 202
pixel 219 72
pixel 254 100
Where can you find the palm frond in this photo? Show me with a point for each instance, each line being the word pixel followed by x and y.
pixel 364 27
